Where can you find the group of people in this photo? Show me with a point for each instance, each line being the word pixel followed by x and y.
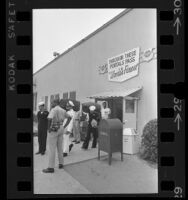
pixel 60 123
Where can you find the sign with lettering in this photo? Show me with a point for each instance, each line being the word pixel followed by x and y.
pixel 103 69
pixel 145 56
pixel 123 66
pixel 148 55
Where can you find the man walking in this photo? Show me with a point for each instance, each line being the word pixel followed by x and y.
pixel 76 127
pixel 67 146
pixel 42 128
pixel 56 128
pixel 94 118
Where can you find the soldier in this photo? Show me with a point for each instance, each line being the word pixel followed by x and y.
pixel 94 118
pixel 42 128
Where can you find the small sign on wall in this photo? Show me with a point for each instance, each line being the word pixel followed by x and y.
pixel 123 66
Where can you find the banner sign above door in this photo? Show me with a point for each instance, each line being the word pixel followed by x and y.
pixel 123 66
pixel 145 56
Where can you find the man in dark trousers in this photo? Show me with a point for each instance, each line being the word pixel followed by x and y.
pixel 42 128
pixel 94 118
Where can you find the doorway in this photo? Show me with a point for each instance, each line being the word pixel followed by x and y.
pixel 123 108
pixel 130 113
pixel 116 108
pixel 115 105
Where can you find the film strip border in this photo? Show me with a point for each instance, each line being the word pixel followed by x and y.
pixel 170 99
pixel 171 102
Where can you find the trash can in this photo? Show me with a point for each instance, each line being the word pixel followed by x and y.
pixel 110 137
pixel 130 141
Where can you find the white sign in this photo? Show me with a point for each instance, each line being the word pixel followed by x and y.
pixel 123 66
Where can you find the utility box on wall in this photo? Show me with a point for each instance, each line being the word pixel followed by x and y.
pixel 110 137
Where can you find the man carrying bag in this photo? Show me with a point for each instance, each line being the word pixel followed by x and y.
pixel 56 118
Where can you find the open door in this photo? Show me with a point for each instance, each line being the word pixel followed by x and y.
pixel 129 113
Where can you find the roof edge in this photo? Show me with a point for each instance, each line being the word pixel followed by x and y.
pixel 130 91
pixel 87 37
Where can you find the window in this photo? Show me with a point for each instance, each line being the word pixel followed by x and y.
pixel 51 100
pixel 129 106
pixel 46 102
pixel 57 96
pixel 72 95
pixel 35 101
pixel 65 95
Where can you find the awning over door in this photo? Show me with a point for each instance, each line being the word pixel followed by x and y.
pixel 115 93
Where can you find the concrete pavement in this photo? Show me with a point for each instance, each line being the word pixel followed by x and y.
pixel 83 174
pixel 59 182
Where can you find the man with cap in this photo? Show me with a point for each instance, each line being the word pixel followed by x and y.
pixel 94 118
pixel 56 128
pixel 42 128
pixel 66 137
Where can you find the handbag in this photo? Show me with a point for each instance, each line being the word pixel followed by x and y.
pixel 94 123
pixel 55 126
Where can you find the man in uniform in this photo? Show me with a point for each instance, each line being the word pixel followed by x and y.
pixel 56 128
pixel 94 118
pixel 42 128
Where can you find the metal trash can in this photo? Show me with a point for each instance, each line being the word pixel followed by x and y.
pixel 110 137
pixel 130 141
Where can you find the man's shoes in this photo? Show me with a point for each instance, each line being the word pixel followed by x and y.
pixel 42 153
pixel 74 141
pixel 65 154
pixel 77 142
pixel 60 166
pixel 38 152
pixel 48 170
pixel 70 147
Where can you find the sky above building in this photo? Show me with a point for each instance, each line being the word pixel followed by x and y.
pixel 56 30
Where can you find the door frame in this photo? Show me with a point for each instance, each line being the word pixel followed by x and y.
pixel 135 107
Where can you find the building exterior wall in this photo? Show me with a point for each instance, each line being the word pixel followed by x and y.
pixel 77 70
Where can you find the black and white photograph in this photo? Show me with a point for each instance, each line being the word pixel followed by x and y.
pixel 95 126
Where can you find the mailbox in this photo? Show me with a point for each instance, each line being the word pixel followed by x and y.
pixel 110 137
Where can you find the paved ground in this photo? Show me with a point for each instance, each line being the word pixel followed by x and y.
pixel 84 174
pixel 130 176
pixel 60 182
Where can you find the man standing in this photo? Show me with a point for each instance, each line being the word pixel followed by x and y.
pixel 67 146
pixel 94 118
pixel 76 127
pixel 56 128
pixel 42 128
pixel 105 111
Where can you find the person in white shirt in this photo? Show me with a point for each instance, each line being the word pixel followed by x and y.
pixel 105 111
pixel 76 127
pixel 56 127
pixel 67 146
